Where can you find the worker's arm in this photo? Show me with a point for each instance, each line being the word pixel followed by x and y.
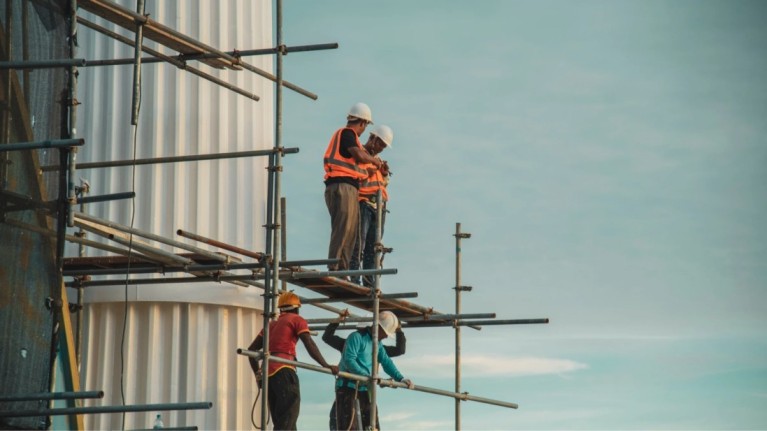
pixel 362 156
pixel 331 339
pixel 257 344
pixel 388 365
pixel 314 352
pixel 349 145
pixel 399 348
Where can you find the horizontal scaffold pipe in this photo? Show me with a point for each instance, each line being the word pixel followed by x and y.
pixel 448 323
pixel 73 239
pixel 159 269
pixel 352 273
pixel 53 396
pixel 189 428
pixel 160 57
pixel 219 244
pixel 42 64
pixel 106 198
pixel 53 143
pixel 358 298
pixel 105 409
pixel 219 54
pixel 154 237
pixel 464 396
pixel 308 262
pixel 186 57
pixel 429 317
pixel 217 278
pixel 173 159
pixel 450 317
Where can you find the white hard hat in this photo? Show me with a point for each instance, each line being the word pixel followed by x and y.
pixel 385 133
pixel 388 322
pixel 361 111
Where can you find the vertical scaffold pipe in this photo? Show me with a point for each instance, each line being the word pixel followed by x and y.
pixel 72 126
pixel 376 304
pixel 458 237
pixel 273 218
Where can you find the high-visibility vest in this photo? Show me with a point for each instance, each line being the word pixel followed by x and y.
pixel 337 165
pixel 370 186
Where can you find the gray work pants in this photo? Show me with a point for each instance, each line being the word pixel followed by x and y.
pixel 341 200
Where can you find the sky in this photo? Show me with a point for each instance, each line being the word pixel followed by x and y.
pixel 609 159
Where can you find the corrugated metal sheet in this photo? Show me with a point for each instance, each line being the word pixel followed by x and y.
pixel 173 353
pixel 178 346
pixel 182 115
pixel 31 110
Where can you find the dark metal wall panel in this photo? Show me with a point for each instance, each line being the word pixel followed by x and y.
pixel 31 109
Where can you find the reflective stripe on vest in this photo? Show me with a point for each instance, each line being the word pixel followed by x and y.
pixel 370 186
pixel 337 165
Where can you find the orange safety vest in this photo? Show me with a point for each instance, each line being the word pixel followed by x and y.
pixel 370 186
pixel 337 165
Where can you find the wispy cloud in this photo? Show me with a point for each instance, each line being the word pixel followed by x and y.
pixel 489 365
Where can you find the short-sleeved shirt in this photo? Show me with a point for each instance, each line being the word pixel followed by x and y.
pixel 283 336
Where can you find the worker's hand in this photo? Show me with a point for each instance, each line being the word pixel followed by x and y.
pixel 385 168
pixel 377 162
pixel 334 369
pixel 409 383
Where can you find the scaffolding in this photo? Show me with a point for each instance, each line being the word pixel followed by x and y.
pixel 269 270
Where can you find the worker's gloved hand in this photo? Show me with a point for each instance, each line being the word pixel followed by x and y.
pixel 409 383
pixel 334 369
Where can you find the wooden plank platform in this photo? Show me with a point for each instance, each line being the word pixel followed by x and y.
pixel 331 287
pixel 336 288
pixel 157 32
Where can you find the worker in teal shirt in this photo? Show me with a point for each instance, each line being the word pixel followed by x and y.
pixel 357 358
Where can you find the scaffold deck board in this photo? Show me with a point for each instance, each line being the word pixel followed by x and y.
pixel 333 287
pixel 155 31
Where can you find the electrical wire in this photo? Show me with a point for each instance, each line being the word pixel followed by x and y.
pixel 127 273
pixel 253 410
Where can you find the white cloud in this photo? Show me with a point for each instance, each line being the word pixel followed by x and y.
pixel 487 365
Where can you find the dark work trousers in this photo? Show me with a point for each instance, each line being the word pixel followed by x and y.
pixel 345 415
pixel 284 399
pixel 366 243
pixel 341 200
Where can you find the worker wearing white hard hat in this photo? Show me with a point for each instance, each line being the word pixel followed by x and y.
pixel 343 161
pixel 357 358
pixel 381 137
pixel 338 343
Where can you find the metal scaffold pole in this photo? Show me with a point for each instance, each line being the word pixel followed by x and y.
pixel 388 383
pixel 458 288
pixel 376 303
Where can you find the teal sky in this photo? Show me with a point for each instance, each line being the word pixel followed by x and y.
pixel 609 159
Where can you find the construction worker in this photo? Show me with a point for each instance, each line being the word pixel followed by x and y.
pixel 381 137
pixel 357 358
pixel 284 391
pixel 343 162
pixel 338 343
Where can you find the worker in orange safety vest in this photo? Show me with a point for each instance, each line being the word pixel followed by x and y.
pixel 343 162
pixel 381 137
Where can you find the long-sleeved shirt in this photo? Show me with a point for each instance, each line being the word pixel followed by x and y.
pixel 357 358
pixel 336 342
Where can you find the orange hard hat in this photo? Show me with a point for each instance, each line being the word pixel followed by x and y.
pixel 288 301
